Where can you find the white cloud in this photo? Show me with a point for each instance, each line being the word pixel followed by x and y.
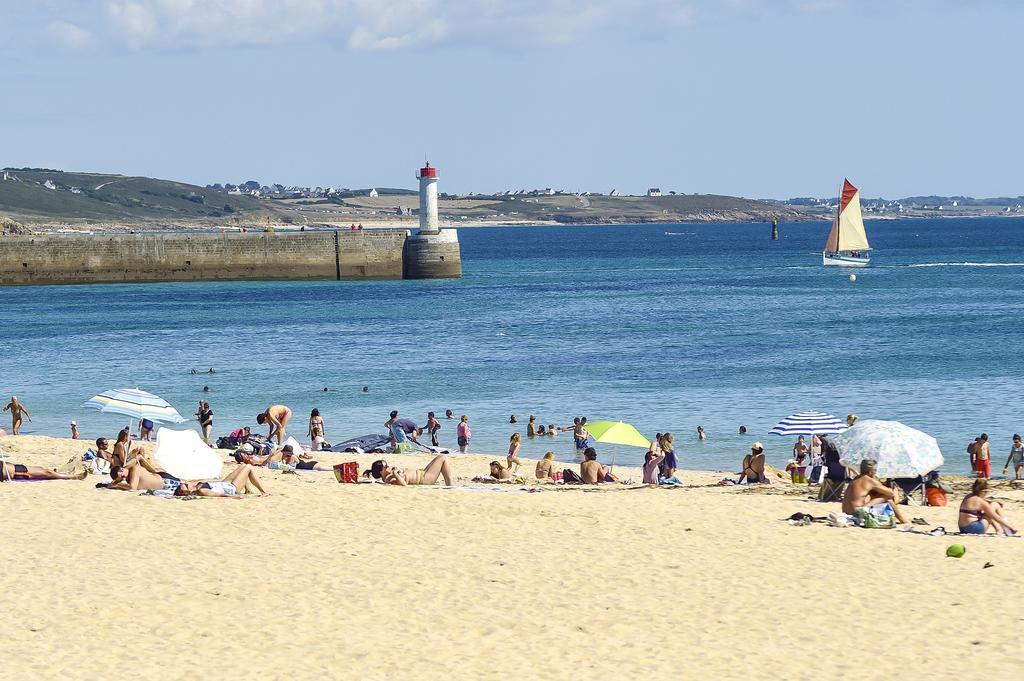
pixel 68 35
pixel 354 24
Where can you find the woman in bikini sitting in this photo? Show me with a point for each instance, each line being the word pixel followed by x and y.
pixel 10 472
pixel 977 513
pixel 753 466
pixel 439 467
pixel 545 467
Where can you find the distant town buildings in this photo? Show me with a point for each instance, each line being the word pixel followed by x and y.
pixel 654 191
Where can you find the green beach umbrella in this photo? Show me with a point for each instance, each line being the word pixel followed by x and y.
pixel 616 433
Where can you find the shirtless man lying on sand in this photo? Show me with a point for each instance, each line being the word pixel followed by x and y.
pixel 866 491
pixel 17 471
pixel 276 416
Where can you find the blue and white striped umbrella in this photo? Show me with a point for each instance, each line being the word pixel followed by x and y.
pixel 808 423
pixel 134 403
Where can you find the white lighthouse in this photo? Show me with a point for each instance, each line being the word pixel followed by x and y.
pixel 432 253
pixel 428 199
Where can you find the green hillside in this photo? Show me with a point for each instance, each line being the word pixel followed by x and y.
pixel 94 197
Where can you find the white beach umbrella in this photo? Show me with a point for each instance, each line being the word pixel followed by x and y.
pixel 901 451
pixel 808 423
pixel 183 454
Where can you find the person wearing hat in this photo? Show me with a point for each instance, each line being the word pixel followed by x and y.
pixel 753 466
pixel 851 419
pixel 74 430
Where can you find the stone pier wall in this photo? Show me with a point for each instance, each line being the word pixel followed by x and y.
pixel 91 259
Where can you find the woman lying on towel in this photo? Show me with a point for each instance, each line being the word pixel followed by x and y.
pixel 279 458
pixel 439 467
pixel 231 486
pixel 17 471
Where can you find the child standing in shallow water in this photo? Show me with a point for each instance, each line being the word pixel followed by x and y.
pixel 464 434
pixel 433 425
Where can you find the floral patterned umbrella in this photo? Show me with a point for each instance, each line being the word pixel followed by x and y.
pixel 901 451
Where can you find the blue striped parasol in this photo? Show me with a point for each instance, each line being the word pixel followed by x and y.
pixel 808 423
pixel 135 404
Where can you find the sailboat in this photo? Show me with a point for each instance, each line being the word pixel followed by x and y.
pixel 847 243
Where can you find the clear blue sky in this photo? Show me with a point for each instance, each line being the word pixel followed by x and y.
pixel 755 98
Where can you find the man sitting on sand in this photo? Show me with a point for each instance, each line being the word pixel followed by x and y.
pixel 277 416
pixel 16 471
pixel 868 493
pixel 593 472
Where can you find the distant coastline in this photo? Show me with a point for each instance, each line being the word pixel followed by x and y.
pixel 52 201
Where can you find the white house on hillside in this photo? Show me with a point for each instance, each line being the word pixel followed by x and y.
pixel 654 191
pixel 372 194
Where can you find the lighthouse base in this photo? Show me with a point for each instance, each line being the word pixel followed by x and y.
pixel 432 256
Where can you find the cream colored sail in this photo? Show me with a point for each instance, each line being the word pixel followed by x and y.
pixel 848 229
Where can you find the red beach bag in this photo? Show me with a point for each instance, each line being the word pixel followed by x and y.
pixel 347 472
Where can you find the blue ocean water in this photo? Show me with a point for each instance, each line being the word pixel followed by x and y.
pixel 664 326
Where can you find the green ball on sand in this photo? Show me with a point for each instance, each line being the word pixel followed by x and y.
pixel 956 551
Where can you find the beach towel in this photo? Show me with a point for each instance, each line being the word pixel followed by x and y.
pixel 879 516
pixel 432 449
pixel 361 444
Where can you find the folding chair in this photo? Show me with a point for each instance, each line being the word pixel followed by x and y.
pixel 831 490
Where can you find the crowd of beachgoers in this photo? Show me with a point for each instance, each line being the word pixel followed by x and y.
pixel 866 500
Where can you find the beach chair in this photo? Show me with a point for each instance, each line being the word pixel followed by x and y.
pixel 913 490
pixel 831 490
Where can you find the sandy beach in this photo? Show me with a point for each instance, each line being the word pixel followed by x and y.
pixel 322 580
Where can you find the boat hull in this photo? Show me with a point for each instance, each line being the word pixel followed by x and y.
pixel 845 260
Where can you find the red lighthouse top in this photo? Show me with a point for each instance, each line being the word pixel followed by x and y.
pixel 427 171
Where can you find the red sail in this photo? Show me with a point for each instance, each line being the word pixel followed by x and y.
pixel 848 192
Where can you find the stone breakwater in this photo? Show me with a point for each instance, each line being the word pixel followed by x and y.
pixel 95 259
